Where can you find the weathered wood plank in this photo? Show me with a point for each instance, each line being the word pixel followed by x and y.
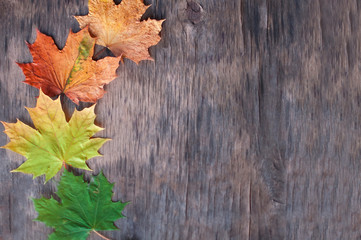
pixel 246 126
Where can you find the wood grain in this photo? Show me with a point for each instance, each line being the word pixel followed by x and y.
pixel 246 125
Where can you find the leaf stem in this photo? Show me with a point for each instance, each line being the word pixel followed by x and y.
pixel 103 237
pixel 65 166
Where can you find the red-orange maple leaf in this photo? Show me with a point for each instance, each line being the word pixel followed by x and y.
pixel 70 70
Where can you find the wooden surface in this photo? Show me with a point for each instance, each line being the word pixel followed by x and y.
pixel 246 125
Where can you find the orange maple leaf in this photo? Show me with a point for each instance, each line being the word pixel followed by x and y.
pixel 71 70
pixel 118 27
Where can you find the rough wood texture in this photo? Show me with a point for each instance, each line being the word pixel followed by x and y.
pixel 246 126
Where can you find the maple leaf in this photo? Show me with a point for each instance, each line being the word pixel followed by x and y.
pixel 118 27
pixel 71 70
pixel 83 208
pixel 56 142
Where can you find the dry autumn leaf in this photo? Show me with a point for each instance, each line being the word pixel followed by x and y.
pixel 118 27
pixel 71 70
pixel 55 142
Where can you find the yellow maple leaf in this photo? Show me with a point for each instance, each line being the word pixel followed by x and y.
pixel 118 27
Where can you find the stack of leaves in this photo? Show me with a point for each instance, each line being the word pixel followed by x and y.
pixel 55 143
pixel 72 70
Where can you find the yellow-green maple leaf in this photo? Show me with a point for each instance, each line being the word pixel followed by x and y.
pixel 55 142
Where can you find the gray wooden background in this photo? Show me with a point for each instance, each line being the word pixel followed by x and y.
pixel 246 126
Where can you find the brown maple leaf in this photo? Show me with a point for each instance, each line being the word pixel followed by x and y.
pixel 118 27
pixel 71 70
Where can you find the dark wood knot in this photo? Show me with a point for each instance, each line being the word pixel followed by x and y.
pixel 194 12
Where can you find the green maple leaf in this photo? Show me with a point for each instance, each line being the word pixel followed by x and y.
pixel 55 142
pixel 83 208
